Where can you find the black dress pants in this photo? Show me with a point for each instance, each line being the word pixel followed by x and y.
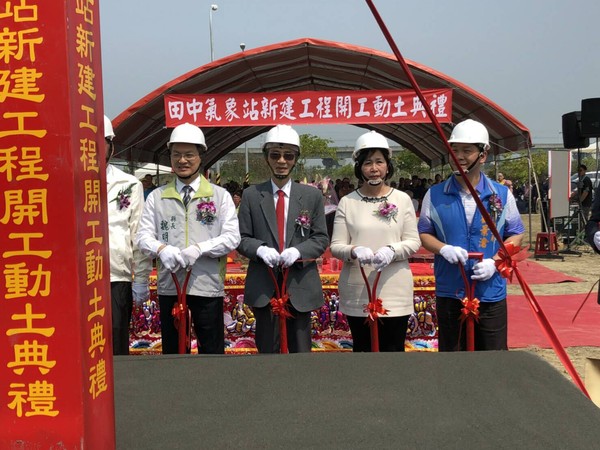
pixel 491 331
pixel 207 320
pixel 390 330
pixel 122 307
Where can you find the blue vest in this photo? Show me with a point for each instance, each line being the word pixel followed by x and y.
pixel 448 217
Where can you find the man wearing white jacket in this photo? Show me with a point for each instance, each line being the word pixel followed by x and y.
pixel 129 268
pixel 190 225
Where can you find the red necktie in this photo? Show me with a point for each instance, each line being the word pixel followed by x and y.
pixel 280 211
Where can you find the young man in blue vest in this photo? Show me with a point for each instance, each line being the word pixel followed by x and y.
pixel 451 226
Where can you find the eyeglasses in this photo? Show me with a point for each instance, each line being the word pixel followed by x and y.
pixel 276 156
pixel 187 156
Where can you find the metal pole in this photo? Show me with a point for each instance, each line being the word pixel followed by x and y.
pixel 243 47
pixel 210 29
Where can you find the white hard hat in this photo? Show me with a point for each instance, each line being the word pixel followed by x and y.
pixel 470 132
pixel 283 134
pixel 108 129
pixel 186 133
pixel 372 140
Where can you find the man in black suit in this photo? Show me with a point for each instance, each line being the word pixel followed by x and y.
pixel 304 239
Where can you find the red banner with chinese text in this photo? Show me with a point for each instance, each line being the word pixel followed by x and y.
pixel 305 108
pixel 56 374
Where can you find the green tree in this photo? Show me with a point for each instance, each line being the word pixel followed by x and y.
pixel 312 146
pixel 406 164
pixel 515 166
pixel 234 168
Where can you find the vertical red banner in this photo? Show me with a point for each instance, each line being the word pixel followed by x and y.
pixel 56 374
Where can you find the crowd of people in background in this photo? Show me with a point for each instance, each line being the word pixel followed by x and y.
pixel 527 195
pixel 416 187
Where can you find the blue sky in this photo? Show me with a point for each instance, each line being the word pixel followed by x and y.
pixel 536 59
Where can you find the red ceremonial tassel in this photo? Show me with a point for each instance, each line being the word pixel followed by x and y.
pixel 279 307
pixel 374 309
pixel 182 317
pixel 470 315
pixel 470 309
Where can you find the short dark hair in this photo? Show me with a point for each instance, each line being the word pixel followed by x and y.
pixel 360 159
pixel 583 166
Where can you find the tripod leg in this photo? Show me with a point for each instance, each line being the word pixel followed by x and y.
pixel 571 241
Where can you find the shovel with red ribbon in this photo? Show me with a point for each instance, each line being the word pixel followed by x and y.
pixel 279 306
pixel 469 313
pixel 182 316
pixel 374 309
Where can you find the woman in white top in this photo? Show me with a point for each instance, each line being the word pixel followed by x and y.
pixel 375 227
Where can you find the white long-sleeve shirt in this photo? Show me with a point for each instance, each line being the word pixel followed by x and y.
pixel 125 196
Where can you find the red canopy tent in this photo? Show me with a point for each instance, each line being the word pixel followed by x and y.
pixel 310 64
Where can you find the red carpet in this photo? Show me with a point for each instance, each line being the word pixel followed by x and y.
pixel 535 273
pixel 524 330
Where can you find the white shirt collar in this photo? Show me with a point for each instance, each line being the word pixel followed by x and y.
pixel 195 185
pixel 287 188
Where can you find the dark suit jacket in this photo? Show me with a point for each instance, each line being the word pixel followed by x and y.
pixel 258 226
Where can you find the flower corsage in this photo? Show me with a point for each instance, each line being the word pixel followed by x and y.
pixel 387 211
pixel 303 220
pixel 495 206
pixel 207 212
pixel 122 198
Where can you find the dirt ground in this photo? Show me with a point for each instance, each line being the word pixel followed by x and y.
pixel 585 265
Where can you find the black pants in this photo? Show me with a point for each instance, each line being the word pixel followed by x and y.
pixel 122 307
pixel 391 332
pixel 207 320
pixel 491 331
pixel 267 331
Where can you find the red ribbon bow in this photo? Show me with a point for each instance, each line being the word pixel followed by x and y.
pixel 470 309
pixel 375 309
pixel 509 259
pixel 279 306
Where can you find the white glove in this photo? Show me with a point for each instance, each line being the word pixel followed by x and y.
pixel 269 255
pixel 171 258
pixel 484 270
pixel 141 292
pixel 383 257
pixel 363 254
pixel 289 256
pixel 454 254
pixel 597 239
pixel 190 255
